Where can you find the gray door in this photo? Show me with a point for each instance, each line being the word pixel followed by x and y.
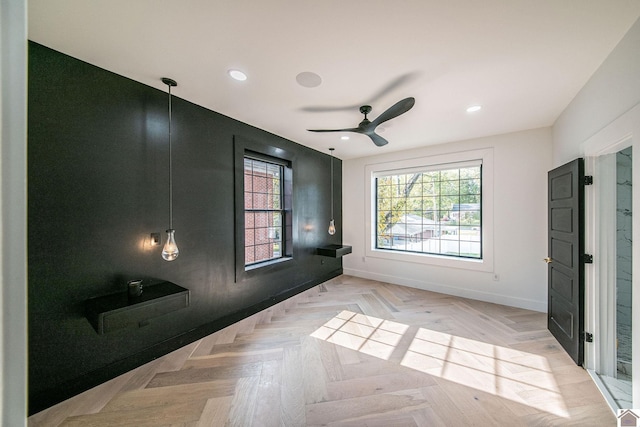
pixel 565 260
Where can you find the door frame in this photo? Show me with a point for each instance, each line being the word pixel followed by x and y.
pixel 600 231
pixel 599 318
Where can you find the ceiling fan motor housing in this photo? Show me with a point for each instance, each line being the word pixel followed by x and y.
pixel 365 109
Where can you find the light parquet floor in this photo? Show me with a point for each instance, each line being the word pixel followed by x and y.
pixel 355 352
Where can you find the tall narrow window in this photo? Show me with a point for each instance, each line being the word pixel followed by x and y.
pixel 434 209
pixel 264 211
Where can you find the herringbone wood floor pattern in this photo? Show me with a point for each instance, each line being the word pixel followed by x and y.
pixel 355 352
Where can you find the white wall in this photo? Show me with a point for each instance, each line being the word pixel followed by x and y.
pixel 612 90
pixel 13 213
pixel 521 162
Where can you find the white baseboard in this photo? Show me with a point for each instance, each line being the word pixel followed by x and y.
pixel 528 304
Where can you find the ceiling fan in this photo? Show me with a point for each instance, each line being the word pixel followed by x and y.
pixel 368 128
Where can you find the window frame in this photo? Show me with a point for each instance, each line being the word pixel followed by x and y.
pixel 245 147
pixel 280 210
pixel 447 167
pixel 410 165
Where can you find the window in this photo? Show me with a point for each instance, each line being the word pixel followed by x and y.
pixel 263 208
pixel 433 210
pixel 263 211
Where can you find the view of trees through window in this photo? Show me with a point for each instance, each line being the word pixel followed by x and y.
pixel 433 211
pixel 263 216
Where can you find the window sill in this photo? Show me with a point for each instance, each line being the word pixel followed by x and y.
pixel 271 262
pixel 434 260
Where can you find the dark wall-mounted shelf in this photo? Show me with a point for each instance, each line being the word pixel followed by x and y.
pixel 117 311
pixel 334 251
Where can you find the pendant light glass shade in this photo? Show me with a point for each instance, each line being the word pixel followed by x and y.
pixel 170 250
pixel 332 227
pixel 332 223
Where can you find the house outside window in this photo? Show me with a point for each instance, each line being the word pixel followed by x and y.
pixel 264 214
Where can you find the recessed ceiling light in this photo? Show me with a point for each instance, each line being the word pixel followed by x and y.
pixel 474 108
pixel 344 137
pixel 237 75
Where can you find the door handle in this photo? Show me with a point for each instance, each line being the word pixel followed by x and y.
pixel 547 260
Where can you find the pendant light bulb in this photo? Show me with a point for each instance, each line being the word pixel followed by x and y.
pixel 170 250
pixel 332 227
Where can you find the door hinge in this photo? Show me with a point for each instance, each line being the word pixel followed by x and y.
pixel 587 259
pixel 587 337
pixel 588 180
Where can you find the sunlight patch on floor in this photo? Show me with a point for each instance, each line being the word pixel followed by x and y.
pixel 521 377
pixel 366 334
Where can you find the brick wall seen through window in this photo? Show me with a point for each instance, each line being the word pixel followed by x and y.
pixel 264 214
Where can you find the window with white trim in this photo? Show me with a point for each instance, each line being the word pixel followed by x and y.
pixel 434 209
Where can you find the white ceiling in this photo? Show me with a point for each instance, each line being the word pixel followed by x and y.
pixel 524 61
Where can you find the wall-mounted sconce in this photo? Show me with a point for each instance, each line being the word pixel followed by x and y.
pixel 170 250
pixel 332 224
pixel 154 239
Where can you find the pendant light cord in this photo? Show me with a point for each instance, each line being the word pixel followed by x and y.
pixel 331 183
pixel 170 168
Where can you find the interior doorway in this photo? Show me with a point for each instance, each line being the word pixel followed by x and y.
pixel 610 230
pixel 607 357
pixel 613 214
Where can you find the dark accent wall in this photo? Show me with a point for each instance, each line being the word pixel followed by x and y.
pixel 98 186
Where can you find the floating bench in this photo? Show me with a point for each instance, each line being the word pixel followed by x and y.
pixel 117 311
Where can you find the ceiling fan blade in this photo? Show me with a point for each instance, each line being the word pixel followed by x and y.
pixel 336 130
pixel 392 86
pixel 395 110
pixel 325 109
pixel 387 89
pixel 377 139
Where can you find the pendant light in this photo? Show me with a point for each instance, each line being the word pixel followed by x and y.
pixel 332 224
pixel 170 250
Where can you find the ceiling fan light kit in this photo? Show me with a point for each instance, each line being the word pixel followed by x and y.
pixel 367 127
